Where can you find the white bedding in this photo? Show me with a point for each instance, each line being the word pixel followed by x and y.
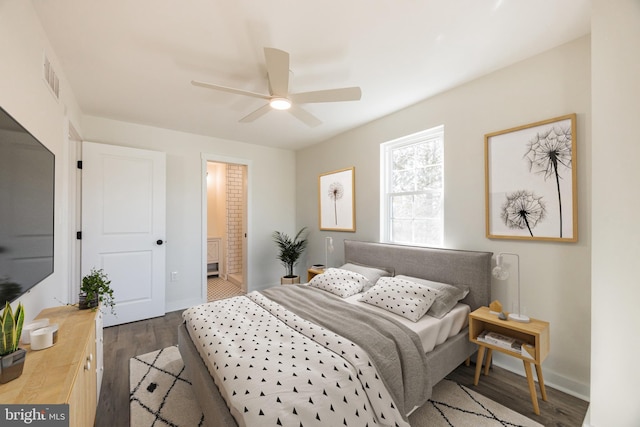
pixel 274 368
pixel 431 331
pixel 246 334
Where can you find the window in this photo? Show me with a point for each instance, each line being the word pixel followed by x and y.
pixel 412 190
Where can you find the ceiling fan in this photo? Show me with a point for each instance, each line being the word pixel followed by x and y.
pixel 279 97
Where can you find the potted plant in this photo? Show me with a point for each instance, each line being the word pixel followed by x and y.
pixel 95 290
pixel 11 357
pixel 290 251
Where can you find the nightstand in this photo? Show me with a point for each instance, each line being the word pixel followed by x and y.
pixel 313 272
pixel 534 337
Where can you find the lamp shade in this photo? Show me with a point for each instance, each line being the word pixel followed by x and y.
pixel 500 273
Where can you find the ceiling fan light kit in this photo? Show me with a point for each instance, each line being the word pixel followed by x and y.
pixel 280 103
pixel 279 97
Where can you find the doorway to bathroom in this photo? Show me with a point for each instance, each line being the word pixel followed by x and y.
pixel 226 228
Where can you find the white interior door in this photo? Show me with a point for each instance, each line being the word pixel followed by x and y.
pixel 123 226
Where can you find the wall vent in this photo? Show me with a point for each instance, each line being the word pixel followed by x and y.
pixel 51 78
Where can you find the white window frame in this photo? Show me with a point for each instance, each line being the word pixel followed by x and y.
pixel 386 149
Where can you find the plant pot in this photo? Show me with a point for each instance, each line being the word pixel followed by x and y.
pixel 289 280
pixel 83 304
pixel 11 365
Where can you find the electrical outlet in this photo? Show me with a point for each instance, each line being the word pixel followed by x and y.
pixel 174 276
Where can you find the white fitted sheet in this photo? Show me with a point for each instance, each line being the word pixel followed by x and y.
pixel 432 331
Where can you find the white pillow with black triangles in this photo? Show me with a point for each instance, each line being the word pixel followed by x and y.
pixel 448 295
pixel 339 282
pixel 402 297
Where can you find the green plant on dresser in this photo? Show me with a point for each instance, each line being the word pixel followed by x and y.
pixel 12 358
pixel 95 290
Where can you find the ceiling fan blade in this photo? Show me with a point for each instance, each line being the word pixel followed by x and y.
pixel 278 70
pixel 305 116
pixel 329 95
pixel 230 89
pixel 256 114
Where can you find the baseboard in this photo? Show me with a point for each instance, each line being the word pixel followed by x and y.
pixel 587 418
pixel 552 379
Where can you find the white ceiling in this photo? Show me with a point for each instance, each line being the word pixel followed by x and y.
pixel 133 60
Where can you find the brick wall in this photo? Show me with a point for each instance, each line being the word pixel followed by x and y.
pixel 235 215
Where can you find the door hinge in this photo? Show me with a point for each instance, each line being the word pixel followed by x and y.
pixel 79 164
pixel 78 235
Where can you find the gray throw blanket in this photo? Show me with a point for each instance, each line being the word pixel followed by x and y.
pixel 395 350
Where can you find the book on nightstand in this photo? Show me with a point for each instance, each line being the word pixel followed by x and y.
pixel 508 343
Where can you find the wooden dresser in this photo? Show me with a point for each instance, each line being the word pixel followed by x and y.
pixel 69 372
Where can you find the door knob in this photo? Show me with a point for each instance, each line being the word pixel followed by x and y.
pixel 159 242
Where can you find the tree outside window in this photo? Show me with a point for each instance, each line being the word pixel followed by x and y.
pixel 413 191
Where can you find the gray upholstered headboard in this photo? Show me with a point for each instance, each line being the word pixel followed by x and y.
pixel 455 267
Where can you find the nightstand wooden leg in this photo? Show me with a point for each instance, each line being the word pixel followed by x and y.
pixel 487 364
pixel 468 361
pixel 479 364
pixel 532 387
pixel 543 391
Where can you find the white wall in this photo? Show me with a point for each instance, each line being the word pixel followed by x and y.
pixel 271 200
pixel 616 235
pixel 555 276
pixel 217 208
pixel 216 199
pixel 25 95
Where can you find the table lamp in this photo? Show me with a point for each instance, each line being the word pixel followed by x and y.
pixel 328 248
pixel 502 273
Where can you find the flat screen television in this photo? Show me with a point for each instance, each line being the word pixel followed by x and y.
pixel 26 210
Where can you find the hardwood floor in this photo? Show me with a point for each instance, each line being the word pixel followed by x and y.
pixel 125 341
pixel 512 391
pixel 120 344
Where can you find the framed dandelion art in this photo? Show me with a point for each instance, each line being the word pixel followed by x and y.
pixel 530 181
pixel 336 199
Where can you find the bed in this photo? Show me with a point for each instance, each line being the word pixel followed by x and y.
pixel 383 388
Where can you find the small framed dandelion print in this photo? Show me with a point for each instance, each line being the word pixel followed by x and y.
pixel 336 200
pixel 530 181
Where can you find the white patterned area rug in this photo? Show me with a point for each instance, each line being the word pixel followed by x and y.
pixel 161 396
pixel 455 405
pixel 159 393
